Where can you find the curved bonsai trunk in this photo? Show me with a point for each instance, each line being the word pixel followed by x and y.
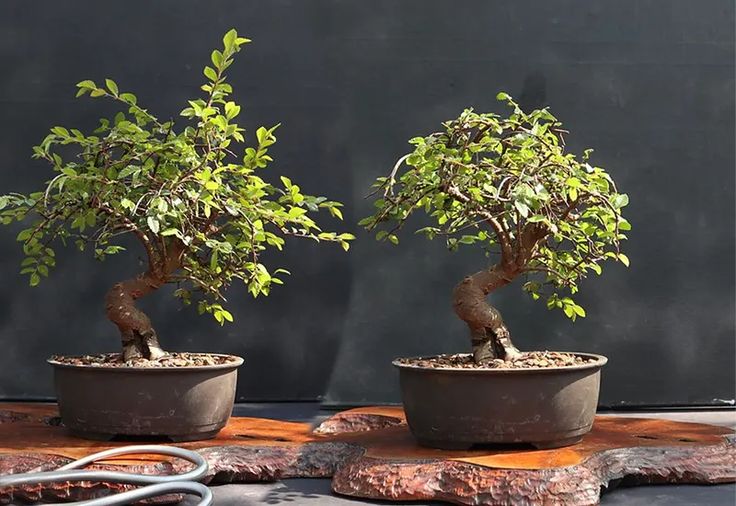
pixel 490 337
pixel 138 336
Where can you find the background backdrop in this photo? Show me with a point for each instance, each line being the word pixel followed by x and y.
pixel 649 84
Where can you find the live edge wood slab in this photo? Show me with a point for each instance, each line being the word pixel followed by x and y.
pixel 370 453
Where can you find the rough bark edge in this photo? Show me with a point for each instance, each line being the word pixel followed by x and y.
pixel 341 423
pixel 355 474
pixel 580 485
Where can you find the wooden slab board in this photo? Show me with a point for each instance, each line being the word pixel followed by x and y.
pixel 370 453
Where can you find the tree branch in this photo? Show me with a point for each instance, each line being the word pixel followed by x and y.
pixel 153 258
pixel 501 233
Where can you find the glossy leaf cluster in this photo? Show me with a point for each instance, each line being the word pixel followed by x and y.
pixel 508 186
pixel 186 189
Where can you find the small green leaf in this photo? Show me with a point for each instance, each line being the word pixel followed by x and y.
pixel 111 86
pixel 153 224
pixel 24 235
pixel 573 182
pixel 623 259
pixel 261 135
pixel 129 98
pixel 522 208
pixel 128 171
pixel 87 84
pixel 60 131
pixel 216 58
pixel 210 73
pixel 229 39
pixel 620 200
pixel 231 110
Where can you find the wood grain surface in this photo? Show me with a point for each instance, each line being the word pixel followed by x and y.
pixel 369 452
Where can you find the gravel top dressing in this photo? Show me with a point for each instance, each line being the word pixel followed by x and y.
pixel 170 360
pixel 528 360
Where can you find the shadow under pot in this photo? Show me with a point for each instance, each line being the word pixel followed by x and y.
pixel 457 408
pixel 166 403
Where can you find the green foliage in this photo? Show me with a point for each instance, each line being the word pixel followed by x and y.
pixel 506 184
pixel 183 190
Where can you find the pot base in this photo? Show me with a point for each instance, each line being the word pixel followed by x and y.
pixel 460 446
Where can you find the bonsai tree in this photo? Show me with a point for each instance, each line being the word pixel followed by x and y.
pixel 506 185
pixel 187 192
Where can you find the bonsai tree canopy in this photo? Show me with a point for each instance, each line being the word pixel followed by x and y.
pixel 506 185
pixel 189 193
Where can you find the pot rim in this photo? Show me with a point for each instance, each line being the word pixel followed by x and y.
pixel 599 362
pixel 153 370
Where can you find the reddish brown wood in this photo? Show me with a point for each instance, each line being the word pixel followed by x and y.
pixel 370 453
pixel 362 419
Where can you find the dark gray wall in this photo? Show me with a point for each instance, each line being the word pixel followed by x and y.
pixel 649 84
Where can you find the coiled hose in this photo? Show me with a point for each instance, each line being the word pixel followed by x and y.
pixel 154 486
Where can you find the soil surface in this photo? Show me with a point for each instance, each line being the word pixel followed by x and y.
pixel 170 360
pixel 528 360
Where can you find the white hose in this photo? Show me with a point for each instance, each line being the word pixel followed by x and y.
pixel 154 485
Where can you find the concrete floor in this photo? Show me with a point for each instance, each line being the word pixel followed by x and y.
pixel 314 492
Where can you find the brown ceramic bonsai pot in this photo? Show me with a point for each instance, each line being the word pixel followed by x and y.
pixel 174 403
pixel 547 407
